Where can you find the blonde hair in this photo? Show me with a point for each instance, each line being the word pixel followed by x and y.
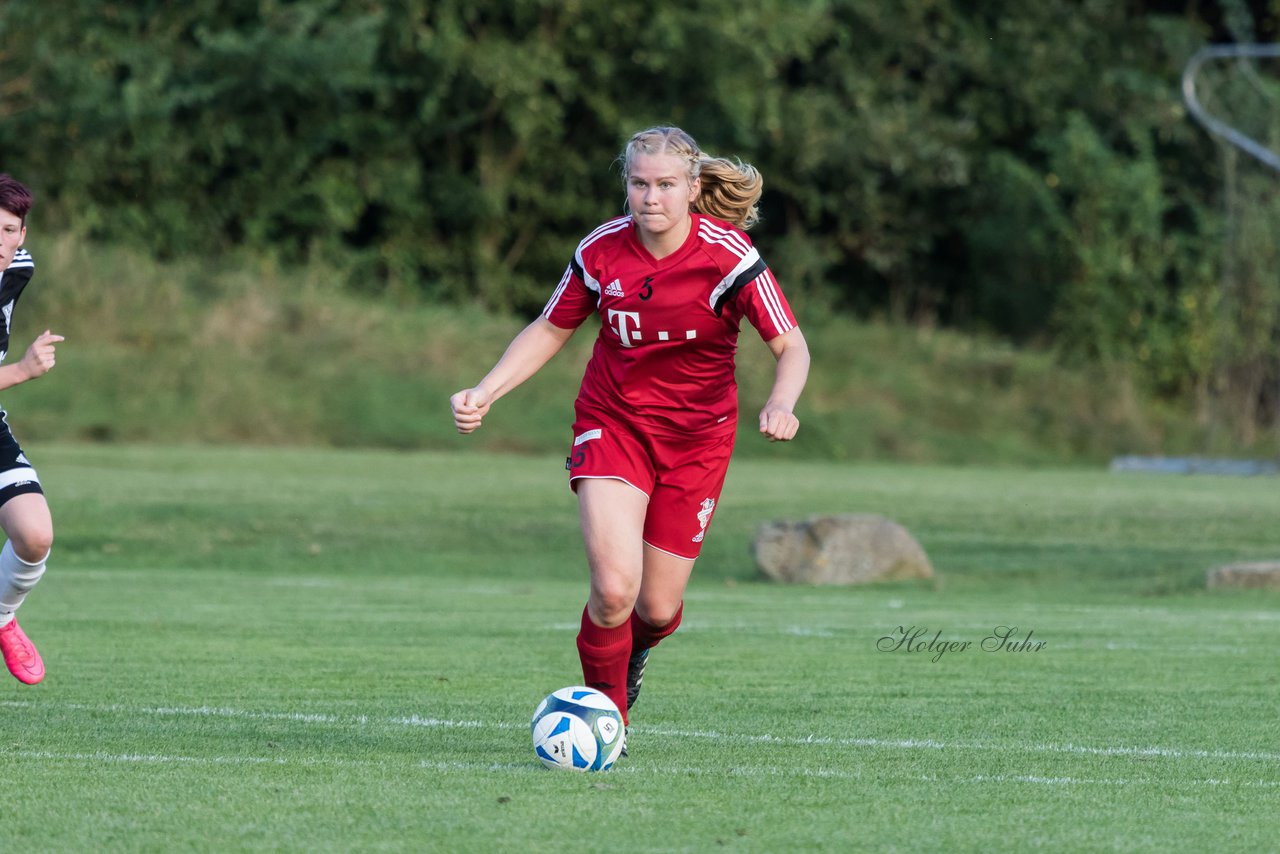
pixel 730 188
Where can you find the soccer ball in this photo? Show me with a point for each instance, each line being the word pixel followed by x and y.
pixel 578 729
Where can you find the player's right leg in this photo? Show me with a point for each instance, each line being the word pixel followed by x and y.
pixel 610 471
pixel 612 514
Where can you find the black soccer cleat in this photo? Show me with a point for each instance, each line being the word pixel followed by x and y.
pixel 635 676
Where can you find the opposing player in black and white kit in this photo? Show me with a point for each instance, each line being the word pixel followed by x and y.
pixel 24 513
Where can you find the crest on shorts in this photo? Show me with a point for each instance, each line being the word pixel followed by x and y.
pixel 704 516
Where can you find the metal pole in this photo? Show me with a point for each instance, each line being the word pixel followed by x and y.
pixel 1217 126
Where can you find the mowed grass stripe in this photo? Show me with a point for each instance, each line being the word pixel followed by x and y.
pixel 626 770
pixel 813 740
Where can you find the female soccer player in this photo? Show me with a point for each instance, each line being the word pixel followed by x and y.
pixel 657 409
pixel 24 514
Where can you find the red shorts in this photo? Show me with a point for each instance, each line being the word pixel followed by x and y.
pixel 681 475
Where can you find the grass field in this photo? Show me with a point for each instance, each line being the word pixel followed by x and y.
pixel 324 651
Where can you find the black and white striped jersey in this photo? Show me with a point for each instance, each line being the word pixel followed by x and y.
pixel 12 282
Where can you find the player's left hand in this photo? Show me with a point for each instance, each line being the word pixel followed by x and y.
pixel 778 423
pixel 39 358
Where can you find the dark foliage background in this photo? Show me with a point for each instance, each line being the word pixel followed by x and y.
pixel 1026 169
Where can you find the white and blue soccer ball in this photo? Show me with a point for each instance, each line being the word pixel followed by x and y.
pixel 578 729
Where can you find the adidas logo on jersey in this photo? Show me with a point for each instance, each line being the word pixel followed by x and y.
pixel 614 289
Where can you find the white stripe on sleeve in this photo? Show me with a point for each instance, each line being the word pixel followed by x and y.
pixel 768 290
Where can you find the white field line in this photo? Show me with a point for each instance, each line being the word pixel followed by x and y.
pixel 197 711
pixel 105 758
pixel 707 735
pixel 831 773
pixel 142 758
pixel 931 744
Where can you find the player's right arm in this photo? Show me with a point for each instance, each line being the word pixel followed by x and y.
pixel 527 353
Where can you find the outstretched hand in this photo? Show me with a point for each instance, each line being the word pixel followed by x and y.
pixel 469 408
pixel 778 423
pixel 40 356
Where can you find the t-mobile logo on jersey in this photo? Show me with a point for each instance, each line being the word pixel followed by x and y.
pixel 628 328
pixel 628 323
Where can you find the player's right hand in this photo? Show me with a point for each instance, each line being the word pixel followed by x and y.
pixel 469 407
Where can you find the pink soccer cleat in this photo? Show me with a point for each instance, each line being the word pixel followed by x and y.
pixel 20 654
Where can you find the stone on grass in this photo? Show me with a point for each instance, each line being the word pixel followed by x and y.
pixel 847 549
pixel 1246 575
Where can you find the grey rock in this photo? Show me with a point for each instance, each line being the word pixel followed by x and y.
pixel 1247 575
pixel 847 549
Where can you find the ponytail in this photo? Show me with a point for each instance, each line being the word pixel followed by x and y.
pixel 730 191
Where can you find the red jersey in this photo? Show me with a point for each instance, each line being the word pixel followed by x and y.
pixel 669 328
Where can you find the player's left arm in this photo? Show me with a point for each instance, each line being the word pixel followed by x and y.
pixel 778 421
pixel 36 362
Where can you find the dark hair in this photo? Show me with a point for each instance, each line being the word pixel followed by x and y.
pixel 14 197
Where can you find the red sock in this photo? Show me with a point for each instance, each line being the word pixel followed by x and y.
pixel 645 635
pixel 604 654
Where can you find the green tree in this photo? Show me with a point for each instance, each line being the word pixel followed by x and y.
pixel 1023 168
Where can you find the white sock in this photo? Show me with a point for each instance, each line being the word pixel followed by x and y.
pixel 17 577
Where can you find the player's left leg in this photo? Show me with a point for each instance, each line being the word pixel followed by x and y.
pixel 28 529
pixel 657 611
pixel 690 476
